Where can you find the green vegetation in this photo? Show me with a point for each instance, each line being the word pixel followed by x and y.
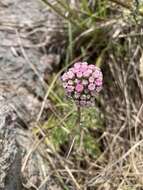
pixel 107 34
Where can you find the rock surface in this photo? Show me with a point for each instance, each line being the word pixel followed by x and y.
pixel 10 154
pixel 31 38
pixel 28 33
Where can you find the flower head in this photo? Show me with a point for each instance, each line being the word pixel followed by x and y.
pixel 82 82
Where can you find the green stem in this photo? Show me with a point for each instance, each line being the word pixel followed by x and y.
pixel 78 117
pixel 80 129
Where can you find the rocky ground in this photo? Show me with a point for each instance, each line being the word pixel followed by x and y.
pixel 29 34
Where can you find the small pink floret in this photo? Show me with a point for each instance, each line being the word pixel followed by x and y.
pixel 75 70
pixel 97 74
pixel 91 86
pixel 70 74
pixel 91 66
pixel 70 82
pixel 79 74
pixel 87 73
pixel 89 70
pixel 77 65
pixel 64 77
pixel 98 82
pixel 83 67
pixel 79 88
pixel 70 88
pixel 91 79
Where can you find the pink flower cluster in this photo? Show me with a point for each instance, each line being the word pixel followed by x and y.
pixel 82 82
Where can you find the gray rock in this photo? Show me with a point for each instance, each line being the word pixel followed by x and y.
pixel 31 37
